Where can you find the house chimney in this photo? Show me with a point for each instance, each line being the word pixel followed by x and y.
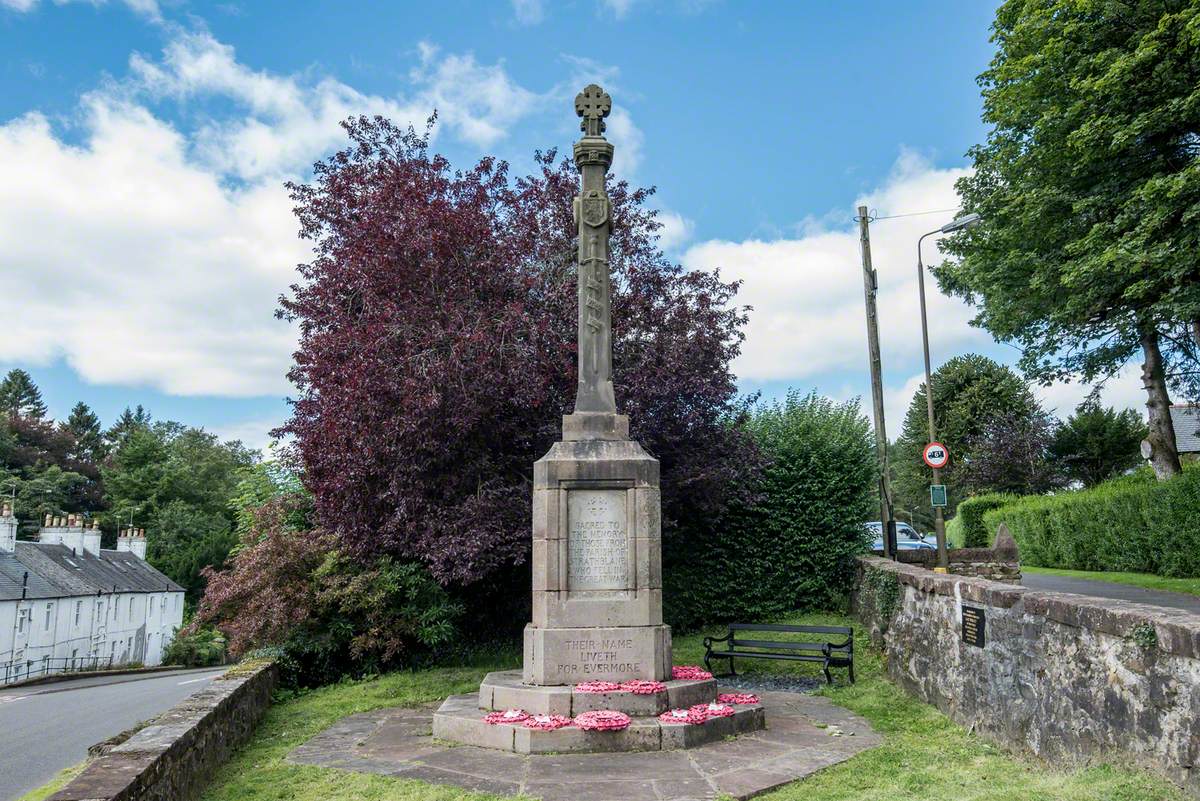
pixel 138 544
pixel 8 529
pixel 63 534
pixel 91 537
pixel 124 539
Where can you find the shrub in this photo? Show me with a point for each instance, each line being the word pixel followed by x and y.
pixel 970 517
pixel 794 547
pixel 1132 523
pixel 320 613
pixel 203 647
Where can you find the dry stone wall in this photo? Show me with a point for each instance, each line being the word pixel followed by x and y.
pixel 1067 677
pixel 172 757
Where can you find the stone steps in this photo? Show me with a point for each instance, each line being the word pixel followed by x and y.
pixel 460 720
pixel 504 690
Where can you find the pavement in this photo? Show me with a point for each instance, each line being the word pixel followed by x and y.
pixel 1109 589
pixel 45 728
pixel 804 734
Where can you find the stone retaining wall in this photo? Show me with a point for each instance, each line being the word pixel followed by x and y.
pixel 1067 677
pixel 174 755
pixel 987 563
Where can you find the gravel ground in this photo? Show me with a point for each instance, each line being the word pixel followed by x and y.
pixel 778 684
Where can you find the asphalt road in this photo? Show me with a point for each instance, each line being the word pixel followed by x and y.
pixel 48 727
pixel 1108 589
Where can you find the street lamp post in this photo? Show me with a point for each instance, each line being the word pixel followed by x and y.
pixel 939 519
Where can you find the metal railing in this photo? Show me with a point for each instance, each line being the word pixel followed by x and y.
pixel 24 669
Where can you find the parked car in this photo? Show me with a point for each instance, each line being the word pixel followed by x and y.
pixel 907 537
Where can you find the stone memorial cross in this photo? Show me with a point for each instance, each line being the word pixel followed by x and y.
pixel 593 157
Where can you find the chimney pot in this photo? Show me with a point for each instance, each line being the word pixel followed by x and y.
pixel 46 524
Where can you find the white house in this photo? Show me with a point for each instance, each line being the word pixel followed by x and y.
pixel 66 604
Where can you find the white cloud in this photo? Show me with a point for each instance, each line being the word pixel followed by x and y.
pixel 251 433
pixel 147 8
pixel 283 122
pixel 627 142
pixel 619 8
pixel 144 253
pixel 480 102
pixel 807 291
pixel 137 266
pixel 529 12
pixel 1124 391
pixel 675 232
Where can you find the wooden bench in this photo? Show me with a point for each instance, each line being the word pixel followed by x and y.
pixel 740 645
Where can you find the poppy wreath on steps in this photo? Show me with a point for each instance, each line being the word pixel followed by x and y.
pixel 546 722
pixel 683 716
pixel 713 710
pixel 642 687
pixel 507 716
pixel 737 698
pixel 602 720
pixel 690 672
pixel 598 687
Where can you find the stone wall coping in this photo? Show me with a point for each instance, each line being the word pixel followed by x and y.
pixel 166 755
pixel 1178 631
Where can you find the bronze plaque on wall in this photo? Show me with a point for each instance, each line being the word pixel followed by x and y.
pixel 973 621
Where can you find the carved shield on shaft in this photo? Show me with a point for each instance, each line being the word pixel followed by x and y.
pixel 595 211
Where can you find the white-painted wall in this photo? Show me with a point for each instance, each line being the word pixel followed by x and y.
pixel 130 627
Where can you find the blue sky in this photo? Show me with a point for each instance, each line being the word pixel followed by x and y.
pixel 145 234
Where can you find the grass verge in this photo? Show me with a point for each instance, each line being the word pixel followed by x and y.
pixel 925 756
pixel 54 785
pixel 1190 586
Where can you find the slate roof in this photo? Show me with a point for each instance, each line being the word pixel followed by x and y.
pixel 12 576
pixel 1186 420
pixel 85 574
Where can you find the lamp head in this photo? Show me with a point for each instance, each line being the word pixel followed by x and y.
pixel 961 223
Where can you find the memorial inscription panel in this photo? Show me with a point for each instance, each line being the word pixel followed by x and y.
pixel 597 540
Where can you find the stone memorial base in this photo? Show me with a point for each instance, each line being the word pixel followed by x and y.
pixel 460 717
pixel 805 734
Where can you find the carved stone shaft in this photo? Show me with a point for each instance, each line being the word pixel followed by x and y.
pixel 593 157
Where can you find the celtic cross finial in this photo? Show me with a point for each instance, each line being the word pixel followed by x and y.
pixel 593 105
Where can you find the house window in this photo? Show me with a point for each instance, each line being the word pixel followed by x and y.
pixel 152 599
pixel 131 608
pixel 78 611
pixel 49 609
pixel 22 617
pixel 99 610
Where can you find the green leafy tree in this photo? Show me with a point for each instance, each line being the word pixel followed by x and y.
pixel 20 397
pixel 1089 187
pixel 971 395
pixel 84 427
pixel 177 483
pixel 1096 443
pixel 128 422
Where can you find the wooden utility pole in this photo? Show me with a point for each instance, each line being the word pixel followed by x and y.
pixel 870 287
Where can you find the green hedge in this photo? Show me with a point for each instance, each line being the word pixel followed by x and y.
pixel 970 514
pixel 1133 523
pixel 795 547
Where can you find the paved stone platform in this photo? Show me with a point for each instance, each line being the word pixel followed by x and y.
pixel 804 734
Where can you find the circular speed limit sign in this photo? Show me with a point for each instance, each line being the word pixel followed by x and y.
pixel 936 455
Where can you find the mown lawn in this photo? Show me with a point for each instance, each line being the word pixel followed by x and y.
pixel 1191 586
pixel 925 756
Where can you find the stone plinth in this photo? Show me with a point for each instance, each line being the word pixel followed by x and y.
pixel 597 562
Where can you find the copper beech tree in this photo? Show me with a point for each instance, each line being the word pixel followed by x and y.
pixel 437 353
